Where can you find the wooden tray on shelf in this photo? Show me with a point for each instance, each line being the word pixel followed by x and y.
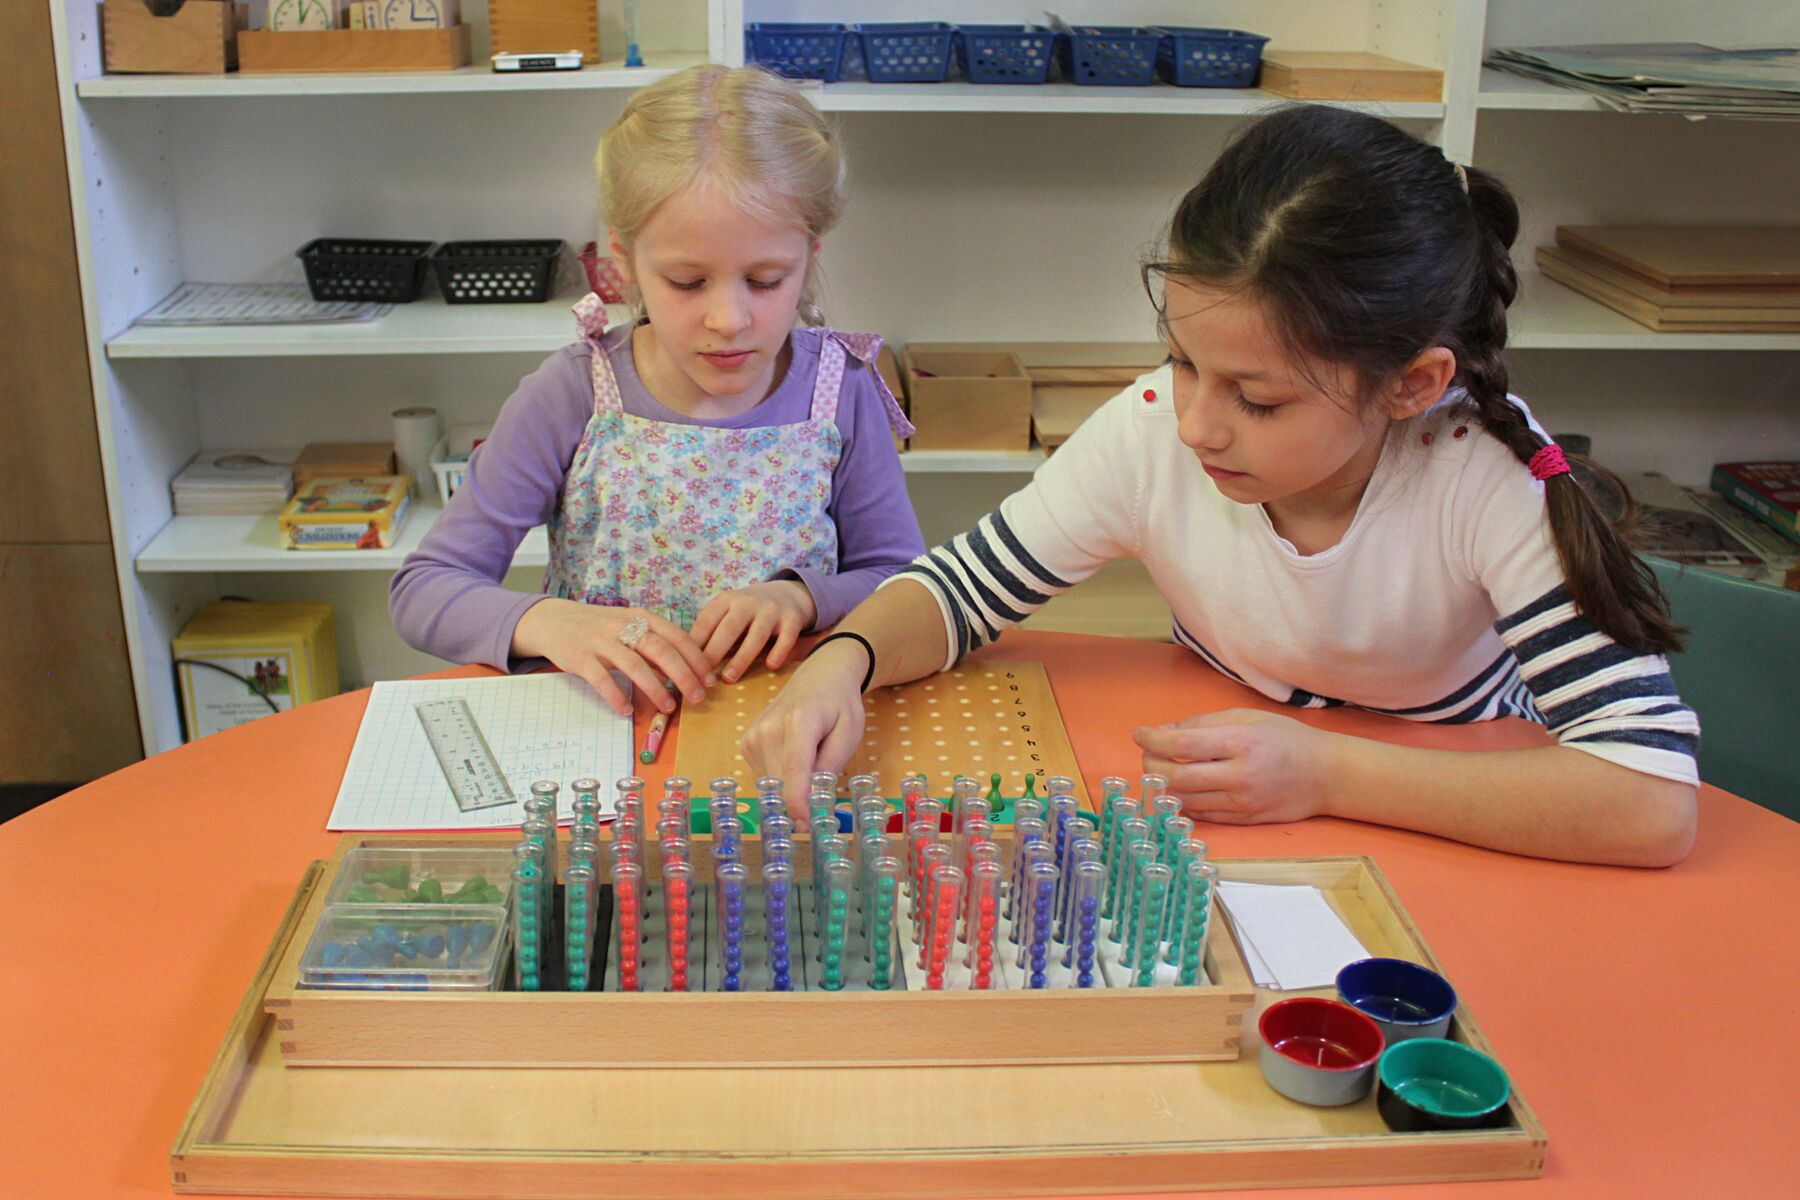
pixel 260 1126
pixel 330 50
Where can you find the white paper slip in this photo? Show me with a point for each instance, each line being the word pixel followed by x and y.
pixel 1299 937
pixel 537 727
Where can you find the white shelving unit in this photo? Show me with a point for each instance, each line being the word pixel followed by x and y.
pixel 978 214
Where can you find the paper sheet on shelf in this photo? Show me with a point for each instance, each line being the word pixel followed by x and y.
pixel 1292 937
pixel 551 726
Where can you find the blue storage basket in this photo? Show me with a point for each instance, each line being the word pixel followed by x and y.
pixel 1109 55
pixel 906 51
pixel 797 49
pixel 1224 58
pixel 1005 53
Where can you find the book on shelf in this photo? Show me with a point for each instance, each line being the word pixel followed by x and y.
pixel 1769 491
pixel 1673 77
pixel 220 483
pixel 1672 524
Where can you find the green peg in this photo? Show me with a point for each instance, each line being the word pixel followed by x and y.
pixel 431 891
pixel 394 876
pixel 1030 787
pixel 362 895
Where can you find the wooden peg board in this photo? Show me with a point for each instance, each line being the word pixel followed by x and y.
pixel 974 719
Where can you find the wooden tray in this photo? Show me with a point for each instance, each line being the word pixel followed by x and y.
pixel 257 1126
pixel 974 719
pixel 331 50
pixel 320 1027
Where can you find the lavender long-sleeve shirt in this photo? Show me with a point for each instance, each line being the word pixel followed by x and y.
pixel 447 599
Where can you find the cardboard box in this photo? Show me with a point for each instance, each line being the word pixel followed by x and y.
pixel 344 459
pixel 967 399
pixel 330 513
pixel 286 652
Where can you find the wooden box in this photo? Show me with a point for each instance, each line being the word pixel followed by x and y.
pixel 1347 75
pixel 343 458
pixel 764 1131
pixel 720 1029
pixel 967 399
pixel 200 38
pixel 545 27
pixel 326 51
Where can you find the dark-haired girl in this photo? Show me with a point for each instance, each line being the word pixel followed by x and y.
pixel 1342 504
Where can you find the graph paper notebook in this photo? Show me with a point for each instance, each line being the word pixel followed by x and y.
pixel 538 727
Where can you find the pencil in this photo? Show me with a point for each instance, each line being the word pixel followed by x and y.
pixel 659 724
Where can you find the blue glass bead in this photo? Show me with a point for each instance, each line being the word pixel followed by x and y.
pixel 783 981
pixel 1037 979
pixel 1085 979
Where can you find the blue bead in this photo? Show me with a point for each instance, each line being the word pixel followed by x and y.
pixel 731 983
pixel 1085 979
pixel 1037 979
pixel 783 981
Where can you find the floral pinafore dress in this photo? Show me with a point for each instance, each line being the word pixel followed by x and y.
pixel 665 516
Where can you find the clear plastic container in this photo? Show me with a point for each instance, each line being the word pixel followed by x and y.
pixel 439 875
pixel 407 947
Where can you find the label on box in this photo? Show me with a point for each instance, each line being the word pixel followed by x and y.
pixel 212 700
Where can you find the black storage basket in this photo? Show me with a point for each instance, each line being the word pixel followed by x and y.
pixel 365 269
pixel 512 272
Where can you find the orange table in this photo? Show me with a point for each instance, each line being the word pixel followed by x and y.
pixel 1649 1016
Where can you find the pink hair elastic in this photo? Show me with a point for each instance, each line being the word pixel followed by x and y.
pixel 1547 462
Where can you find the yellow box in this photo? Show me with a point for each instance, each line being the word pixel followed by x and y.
pixel 331 513
pixel 967 400
pixel 234 653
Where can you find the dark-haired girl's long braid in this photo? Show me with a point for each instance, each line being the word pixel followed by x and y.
pixel 1610 585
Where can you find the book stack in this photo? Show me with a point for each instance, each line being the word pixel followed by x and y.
pixel 1689 78
pixel 230 483
pixel 1692 278
pixel 1769 491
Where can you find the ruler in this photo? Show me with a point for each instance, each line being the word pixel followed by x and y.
pixel 469 768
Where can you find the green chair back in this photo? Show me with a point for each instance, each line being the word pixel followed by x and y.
pixel 1741 673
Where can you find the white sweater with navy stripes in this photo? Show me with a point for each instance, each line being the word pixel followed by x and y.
pixel 1444 600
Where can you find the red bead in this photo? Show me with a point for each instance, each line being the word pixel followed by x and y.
pixel 1149 395
pixel 1425 438
pixel 1460 431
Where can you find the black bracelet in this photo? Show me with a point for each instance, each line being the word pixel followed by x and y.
pixel 860 640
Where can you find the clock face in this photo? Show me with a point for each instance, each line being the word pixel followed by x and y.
pixel 397 14
pixel 300 14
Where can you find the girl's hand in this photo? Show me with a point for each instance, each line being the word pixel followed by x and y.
pixel 1240 767
pixel 583 639
pixel 747 618
pixel 815 724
